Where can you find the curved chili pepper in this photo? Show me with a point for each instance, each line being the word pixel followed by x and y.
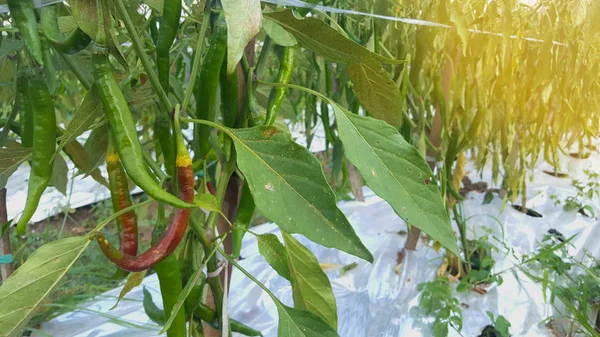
pixel 73 43
pixel 278 94
pixel 168 30
pixel 124 133
pixel 242 220
pixel 23 14
pixel 121 199
pixel 177 228
pixel 206 92
pixel 44 138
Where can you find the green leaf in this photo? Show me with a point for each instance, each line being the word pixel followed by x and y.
pixel 397 172
pixel 96 146
pixel 377 92
pixel 502 326
pixel 289 187
pixel 244 18
pixel 133 280
pixel 77 154
pixel 154 313
pixel 301 323
pixel 310 286
pixel 318 36
pixel 60 173
pixel 90 112
pixel 458 18
pixel 488 197
pixel 156 5
pixel 274 252
pixel 279 35
pixel 23 292
pixel 86 16
pixel 10 160
pixel 207 201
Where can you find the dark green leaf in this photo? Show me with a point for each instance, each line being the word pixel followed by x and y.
pixel 96 145
pixel 316 35
pixel 301 323
pixel 60 173
pixel 279 35
pixel 377 92
pixel 488 197
pixel 154 313
pixel 275 253
pixel 86 15
pixel 23 292
pixel 310 286
pixel 397 172
pixel 90 112
pixel 288 186
pixel 244 18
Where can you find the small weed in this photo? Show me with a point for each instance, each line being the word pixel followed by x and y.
pixel 437 300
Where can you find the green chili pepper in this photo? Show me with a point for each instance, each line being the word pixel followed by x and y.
pixel 254 112
pixel 162 132
pixel 15 127
pixel 75 42
pixel 169 278
pixel 168 30
pixel 23 15
pixel 25 111
pixel 177 228
pixel 229 97
pixel 210 316
pixel 121 199
pixel 206 92
pixel 242 220
pixel 124 133
pixel 278 94
pixel 180 69
pixel 49 69
pixel 44 138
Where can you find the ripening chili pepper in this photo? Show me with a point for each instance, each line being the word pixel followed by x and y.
pixel 208 81
pixel 124 133
pixel 121 199
pixel 169 278
pixel 242 220
pixel 168 30
pixel 229 97
pixel 44 137
pixel 73 43
pixel 278 94
pixel 23 14
pixel 177 228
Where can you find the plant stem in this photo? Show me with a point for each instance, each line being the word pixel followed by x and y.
pixel 462 228
pixel 154 165
pixel 195 65
pixel 139 48
pixel 5 269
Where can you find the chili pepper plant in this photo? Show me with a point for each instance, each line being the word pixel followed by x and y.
pixel 193 102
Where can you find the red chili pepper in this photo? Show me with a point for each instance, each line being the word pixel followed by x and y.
pixel 177 228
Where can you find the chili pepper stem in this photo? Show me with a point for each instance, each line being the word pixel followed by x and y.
pixel 195 65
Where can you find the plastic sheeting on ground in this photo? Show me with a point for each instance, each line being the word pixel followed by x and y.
pixel 374 300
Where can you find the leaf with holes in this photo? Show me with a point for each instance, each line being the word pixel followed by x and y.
pixel 396 171
pixel 289 187
pixel 377 92
pixel 23 292
pixel 311 288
